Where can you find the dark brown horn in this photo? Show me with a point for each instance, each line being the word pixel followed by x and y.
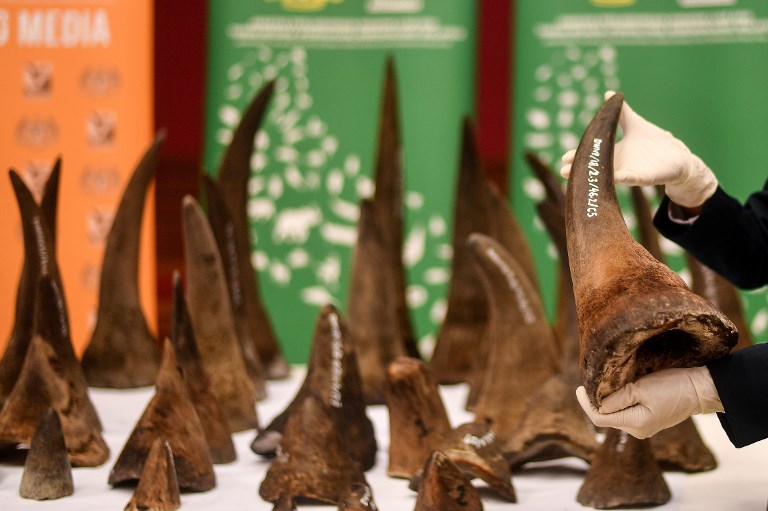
pixel 388 200
pixel 332 374
pixel 51 377
pixel 358 498
pixel 418 421
pixel 47 471
pixel 223 230
pixel 38 223
pixel 553 426
pixel 312 462
pixel 212 416
pixel 158 488
pixel 372 309
pixel 474 449
pixel 232 178
pixel 522 345
pixel 682 448
pixel 122 352
pixel 467 313
pixel 211 315
pixel 679 447
pixel 635 314
pixel 623 473
pixel 445 487
pixel 170 414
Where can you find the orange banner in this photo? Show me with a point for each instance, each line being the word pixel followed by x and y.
pixel 77 83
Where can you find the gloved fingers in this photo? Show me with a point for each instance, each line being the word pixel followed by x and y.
pixel 592 412
pixel 619 400
pixel 634 177
pixel 568 157
pixel 565 171
pixel 629 419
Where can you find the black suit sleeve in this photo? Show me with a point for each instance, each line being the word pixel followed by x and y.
pixel 729 238
pixel 740 379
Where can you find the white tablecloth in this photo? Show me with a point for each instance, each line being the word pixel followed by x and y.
pixel 740 483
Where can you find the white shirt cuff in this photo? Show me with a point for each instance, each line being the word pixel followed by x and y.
pixel 676 216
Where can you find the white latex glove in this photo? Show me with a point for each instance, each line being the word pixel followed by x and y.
pixel 655 402
pixel 648 155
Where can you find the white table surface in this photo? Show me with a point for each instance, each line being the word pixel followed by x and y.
pixel 740 483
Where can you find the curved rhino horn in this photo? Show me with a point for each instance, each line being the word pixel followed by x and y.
pixel 123 353
pixel 635 314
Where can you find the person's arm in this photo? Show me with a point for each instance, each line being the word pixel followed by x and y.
pixel 741 379
pixel 727 237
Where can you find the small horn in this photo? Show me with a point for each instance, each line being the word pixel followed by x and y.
pixel 212 321
pixel 47 471
pixel 635 314
pixel 223 230
pixel 232 178
pixel 554 426
pixel 372 306
pixel 332 374
pixel 473 448
pixel 417 418
pixel 37 224
pixel 445 487
pixel 212 416
pixel 170 414
pixel 312 462
pixel 51 377
pixel 122 352
pixel 522 344
pixel 158 488
pixel 623 473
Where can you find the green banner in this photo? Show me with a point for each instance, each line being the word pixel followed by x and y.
pixel 314 156
pixel 698 68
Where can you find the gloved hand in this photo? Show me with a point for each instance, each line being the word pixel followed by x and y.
pixel 655 402
pixel 649 155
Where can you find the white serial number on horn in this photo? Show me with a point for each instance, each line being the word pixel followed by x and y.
pixel 594 171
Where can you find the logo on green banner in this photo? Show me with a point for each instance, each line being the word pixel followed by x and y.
pixel 304 5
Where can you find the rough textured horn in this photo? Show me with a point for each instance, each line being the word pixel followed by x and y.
pixel 170 414
pixel 388 200
pixel 473 448
pixel 38 227
pixel 232 177
pixel 122 352
pixel 47 471
pixel 522 345
pixel 467 312
pixel 679 447
pixel 312 462
pixel 553 426
pixel 223 230
pixel 623 473
pixel 635 314
pixel 445 487
pixel 417 418
pixel 51 377
pixel 332 374
pixel 158 488
pixel 212 321
pixel 372 310
pixel 212 416
pixel 358 498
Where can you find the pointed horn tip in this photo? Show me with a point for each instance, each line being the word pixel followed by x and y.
pixel 189 202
